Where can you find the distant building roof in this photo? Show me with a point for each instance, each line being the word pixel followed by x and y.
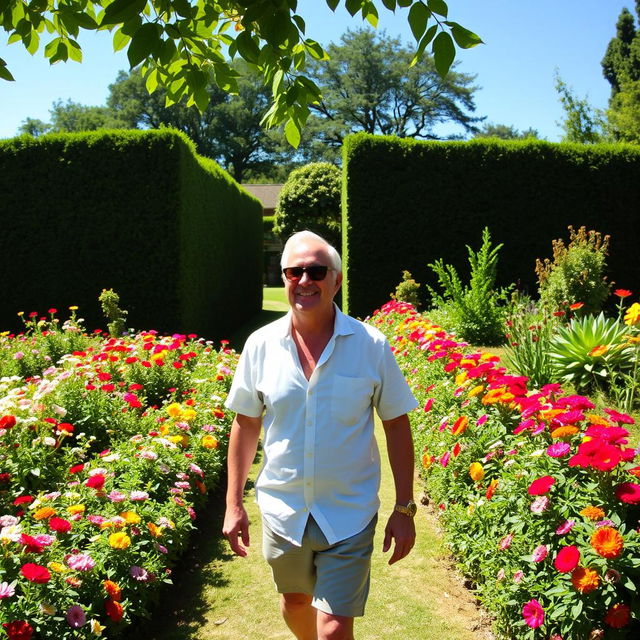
pixel 266 193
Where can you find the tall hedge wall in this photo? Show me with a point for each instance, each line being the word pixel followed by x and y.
pixel 407 203
pixel 135 211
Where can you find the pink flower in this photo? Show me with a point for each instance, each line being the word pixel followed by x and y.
pixel 80 562
pixel 117 496
pixel 540 553
pixel 428 404
pixel 533 614
pixel 505 543
pixel 540 504
pixel 139 574
pixel 541 486
pixel 567 559
pixel 482 419
pixel 517 576
pixel 76 616
pixel 6 590
pixel 565 527
pixel 139 496
pixel 628 492
pixel 500 575
pixel 444 460
pixel 559 449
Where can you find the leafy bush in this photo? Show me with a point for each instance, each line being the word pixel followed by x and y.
pixel 577 272
pixel 477 314
pixel 584 352
pixel 529 334
pixel 407 290
pixel 310 199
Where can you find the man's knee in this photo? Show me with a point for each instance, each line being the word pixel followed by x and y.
pixel 294 601
pixel 332 627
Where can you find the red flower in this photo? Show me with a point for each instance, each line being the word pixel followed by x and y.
pixel 576 305
pixel 113 610
pixel 567 559
pixel 5 478
pixel 18 630
pixel 76 468
pixel 622 293
pixel 618 616
pixel 31 544
pixel 35 573
pixel 541 486
pixel 6 422
pixel 96 481
pixel 60 525
pixel 628 492
pixel 23 500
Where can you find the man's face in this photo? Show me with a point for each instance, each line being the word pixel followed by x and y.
pixel 306 295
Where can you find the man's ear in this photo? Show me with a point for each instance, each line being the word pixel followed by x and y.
pixel 338 282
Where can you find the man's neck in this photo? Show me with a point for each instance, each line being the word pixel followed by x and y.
pixel 313 326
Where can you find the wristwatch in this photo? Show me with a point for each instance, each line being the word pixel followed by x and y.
pixel 408 509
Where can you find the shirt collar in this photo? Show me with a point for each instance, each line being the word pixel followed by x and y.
pixel 341 324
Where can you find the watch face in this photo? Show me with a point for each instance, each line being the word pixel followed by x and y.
pixel 412 509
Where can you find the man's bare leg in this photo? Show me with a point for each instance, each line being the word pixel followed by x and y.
pixel 331 627
pixel 299 615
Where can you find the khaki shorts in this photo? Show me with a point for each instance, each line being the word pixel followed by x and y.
pixel 337 576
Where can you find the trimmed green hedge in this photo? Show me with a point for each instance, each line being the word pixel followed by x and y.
pixel 135 211
pixel 407 203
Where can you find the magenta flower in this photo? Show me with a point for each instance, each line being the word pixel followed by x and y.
pixel 533 614
pixel 567 559
pixel 505 543
pixel 540 504
pixel 444 460
pixel 565 527
pixel 559 449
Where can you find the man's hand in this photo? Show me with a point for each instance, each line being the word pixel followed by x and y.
pixel 236 525
pixel 402 529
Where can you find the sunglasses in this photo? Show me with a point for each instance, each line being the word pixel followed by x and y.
pixel 316 272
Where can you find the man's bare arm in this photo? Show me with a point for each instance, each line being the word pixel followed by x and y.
pixel 400 527
pixel 243 444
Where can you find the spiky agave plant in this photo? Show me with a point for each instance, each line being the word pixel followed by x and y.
pixel 585 352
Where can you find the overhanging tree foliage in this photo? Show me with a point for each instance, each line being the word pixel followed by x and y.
pixel 183 45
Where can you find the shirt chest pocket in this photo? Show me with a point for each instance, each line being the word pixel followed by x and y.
pixel 350 399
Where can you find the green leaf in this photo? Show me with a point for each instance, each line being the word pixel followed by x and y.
pixel 439 7
pixel 145 41
pixel 464 38
pixel 292 133
pixel 182 8
pixel 300 23
pixel 120 11
pixel 120 40
pixel 33 42
pixel 151 80
pixel 75 52
pixel 5 74
pixel 333 4
pixel 353 6
pixel 277 82
pixel 418 17
pixel 86 21
pixel 247 48
pixel 389 4
pixel 315 50
pixel 370 14
pixel 427 38
pixel 444 53
pixel 404 3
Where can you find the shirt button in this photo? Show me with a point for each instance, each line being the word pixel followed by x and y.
pixel 308 484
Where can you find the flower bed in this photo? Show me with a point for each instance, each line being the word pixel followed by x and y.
pixel 538 492
pixel 107 449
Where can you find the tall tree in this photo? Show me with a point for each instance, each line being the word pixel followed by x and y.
pixel 505 132
pixel 181 44
pixel 368 84
pixel 621 62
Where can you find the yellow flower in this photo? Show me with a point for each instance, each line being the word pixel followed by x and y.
pixel 461 377
pixel 174 410
pixel 188 414
pixel 155 530
pixel 182 440
pixel 44 513
pixel 476 391
pixel 119 540
pixel 76 508
pixel 157 356
pixel 96 627
pixel 599 420
pixel 476 471
pixel 49 609
pixel 131 517
pixel 57 567
pixel 633 314
pixel 73 308
pixel 209 442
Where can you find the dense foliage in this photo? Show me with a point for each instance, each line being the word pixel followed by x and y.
pixel 108 447
pixel 137 212
pixel 421 201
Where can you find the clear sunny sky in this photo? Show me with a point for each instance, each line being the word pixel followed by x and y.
pixel 525 40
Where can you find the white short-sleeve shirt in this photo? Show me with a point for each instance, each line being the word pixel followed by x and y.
pixel 320 453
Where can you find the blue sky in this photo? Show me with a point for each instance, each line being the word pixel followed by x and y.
pixel 524 42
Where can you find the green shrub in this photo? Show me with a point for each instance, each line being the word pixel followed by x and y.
pixel 577 272
pixel 477 314
pixel 310 199
pixel 407 290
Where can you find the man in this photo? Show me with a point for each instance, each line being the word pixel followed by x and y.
pixel 317 375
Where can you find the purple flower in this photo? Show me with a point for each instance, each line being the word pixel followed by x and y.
pixel 76 616
pixel 139 574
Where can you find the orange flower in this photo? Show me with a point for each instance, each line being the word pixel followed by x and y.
pixel 598 351
pixel 427 460
pixel 565 432
pixel 209 442
pixel 476 471
pixel 597 420
pixel 592 513
pixel 585 580
pixel 113 590
pixel 548 414
pixel 131 517
pixel 495 396
pixel 155 530
pixel 491 489
pixel 607 542
pixel 460 425
pixel 44 514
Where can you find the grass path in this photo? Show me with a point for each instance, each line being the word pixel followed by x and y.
pixel 219 596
